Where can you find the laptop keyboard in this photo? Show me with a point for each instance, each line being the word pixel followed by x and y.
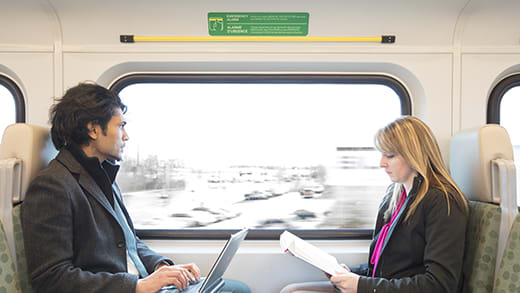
pixel 192 288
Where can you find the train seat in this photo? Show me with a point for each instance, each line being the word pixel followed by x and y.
pixel 480 163
pixel 25 149
pixel 509 271
pixel 9 280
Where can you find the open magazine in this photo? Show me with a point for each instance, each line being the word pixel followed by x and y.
pixel 305 251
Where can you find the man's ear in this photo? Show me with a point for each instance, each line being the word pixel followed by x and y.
pixel 92 131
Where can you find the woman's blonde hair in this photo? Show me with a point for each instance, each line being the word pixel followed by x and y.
pixel 411 138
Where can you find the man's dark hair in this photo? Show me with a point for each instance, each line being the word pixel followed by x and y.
pixel 80 105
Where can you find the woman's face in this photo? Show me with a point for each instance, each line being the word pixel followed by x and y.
pixel 397 169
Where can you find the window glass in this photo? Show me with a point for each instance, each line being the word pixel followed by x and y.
pixel 262 155
pixel 511 121
pixel 7 109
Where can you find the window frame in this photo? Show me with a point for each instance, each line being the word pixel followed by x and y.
pixel 19 102
pixel 495 98
pixel 263 234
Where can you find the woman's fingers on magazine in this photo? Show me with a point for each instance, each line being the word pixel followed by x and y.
pixel 327 275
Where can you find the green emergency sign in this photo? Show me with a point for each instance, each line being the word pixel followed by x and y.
pixel 258 24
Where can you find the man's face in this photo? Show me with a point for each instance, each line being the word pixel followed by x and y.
pixel 108 145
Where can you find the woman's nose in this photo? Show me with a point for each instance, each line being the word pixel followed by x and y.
pixel 382 162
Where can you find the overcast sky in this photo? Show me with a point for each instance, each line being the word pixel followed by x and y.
pixel 254 124
pixel 509 116
pixel 7 109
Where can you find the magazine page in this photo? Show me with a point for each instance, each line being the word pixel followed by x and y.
pixel 305 251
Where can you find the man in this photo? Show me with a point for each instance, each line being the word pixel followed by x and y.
pixel 78 235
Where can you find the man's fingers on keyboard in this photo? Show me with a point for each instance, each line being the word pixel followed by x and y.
pixel 178 279
pixel 190 276
pixel 194 270
pixel 175 282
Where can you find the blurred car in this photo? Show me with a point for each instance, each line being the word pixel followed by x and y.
pixel 220 213
pixel 274 223
pixel 277 191
pixel 304 214
pixel 256 195
pixel 311 190
pixel 197 218
pixel 307 193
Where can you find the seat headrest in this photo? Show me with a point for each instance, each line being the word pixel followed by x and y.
pixel 31 144
pixel 471 153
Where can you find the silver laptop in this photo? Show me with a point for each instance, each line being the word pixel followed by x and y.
pixel 213 282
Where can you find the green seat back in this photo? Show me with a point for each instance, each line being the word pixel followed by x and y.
pixel 8 277
pixel 481 247
pixel 20 252
pixel 508 277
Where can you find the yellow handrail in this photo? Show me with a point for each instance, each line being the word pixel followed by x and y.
pixel 132 39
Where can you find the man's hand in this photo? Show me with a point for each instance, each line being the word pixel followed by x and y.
pixel 164 275
pixel 193 269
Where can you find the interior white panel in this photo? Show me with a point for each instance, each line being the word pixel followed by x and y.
pixel 480 72
pixel 26 22
pixel 492 23
pixel 34 76
pixel 327 18
pixel 261 264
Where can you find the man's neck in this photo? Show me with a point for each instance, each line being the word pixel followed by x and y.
pixel 90 152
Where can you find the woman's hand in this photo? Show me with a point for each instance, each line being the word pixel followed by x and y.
pixel 342 265
pixel 346 267
pixel 347 282
pixel 178 275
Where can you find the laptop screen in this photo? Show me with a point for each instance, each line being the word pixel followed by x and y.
pixel 224 259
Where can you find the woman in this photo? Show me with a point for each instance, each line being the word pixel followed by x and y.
pixel 418 243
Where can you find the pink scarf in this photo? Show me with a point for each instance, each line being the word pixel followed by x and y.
pixel 384 231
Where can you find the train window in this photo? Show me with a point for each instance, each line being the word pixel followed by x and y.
pixel 503 106
pixel 222 152
pixel 12 107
